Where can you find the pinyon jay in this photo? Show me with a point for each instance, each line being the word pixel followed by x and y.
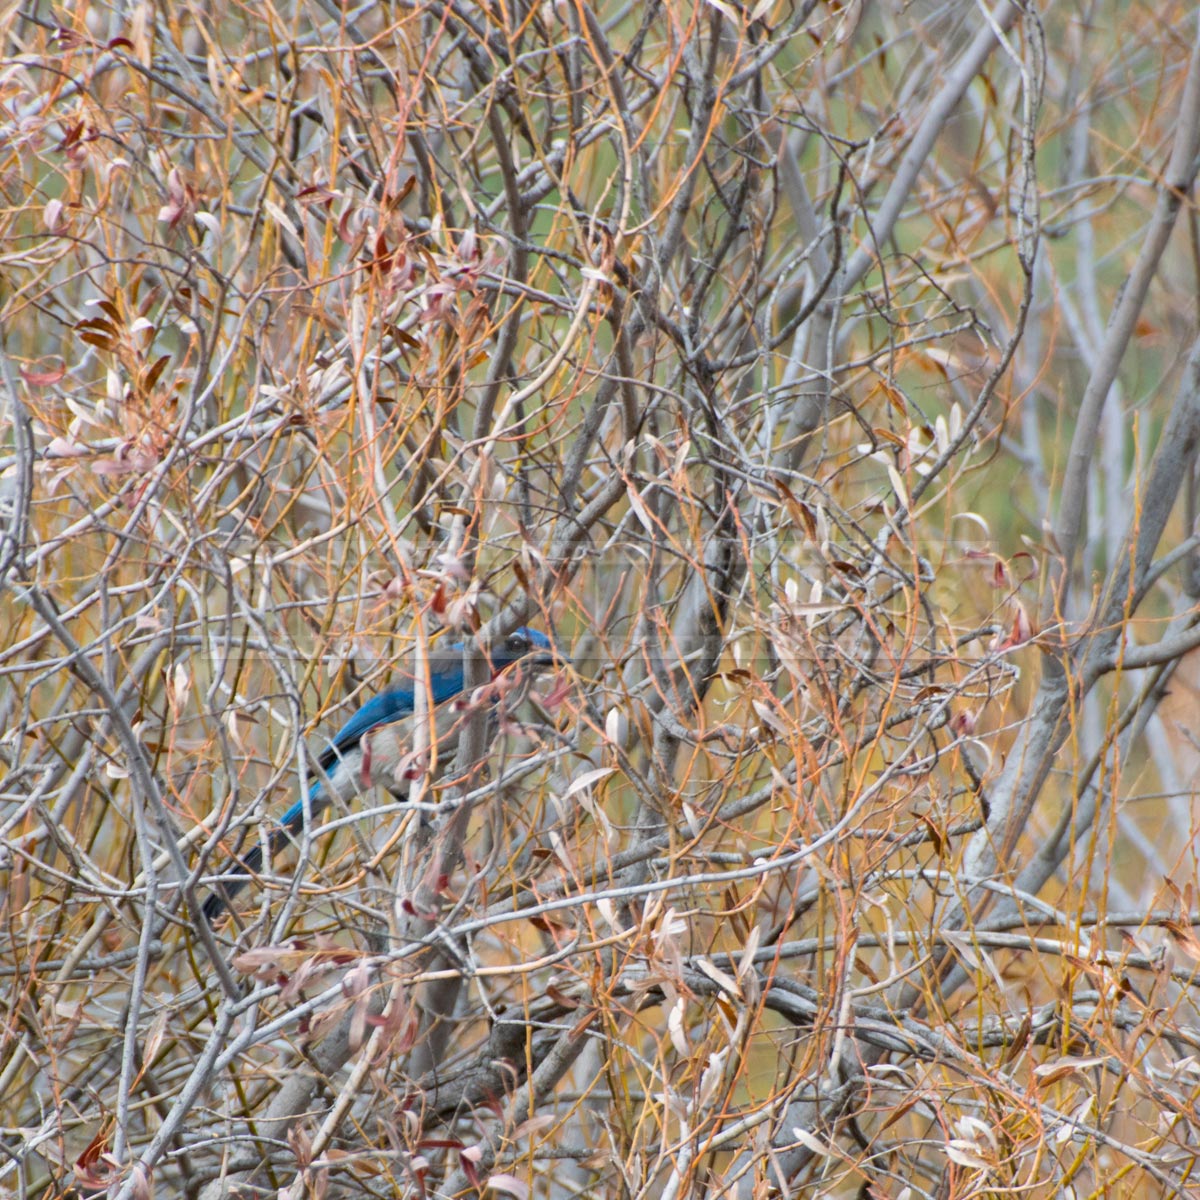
pixel 371 748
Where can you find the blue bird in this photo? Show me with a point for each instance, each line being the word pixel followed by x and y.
pixel 371 748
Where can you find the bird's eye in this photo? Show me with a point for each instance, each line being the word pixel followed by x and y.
pixel 517 643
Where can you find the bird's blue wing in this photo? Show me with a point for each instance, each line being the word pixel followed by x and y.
pixel 388 706
pixel 393 705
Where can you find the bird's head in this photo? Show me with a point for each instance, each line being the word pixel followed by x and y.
pixel 530 646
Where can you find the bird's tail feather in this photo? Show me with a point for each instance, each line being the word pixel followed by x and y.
pixel 232 881
pixel 247 865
